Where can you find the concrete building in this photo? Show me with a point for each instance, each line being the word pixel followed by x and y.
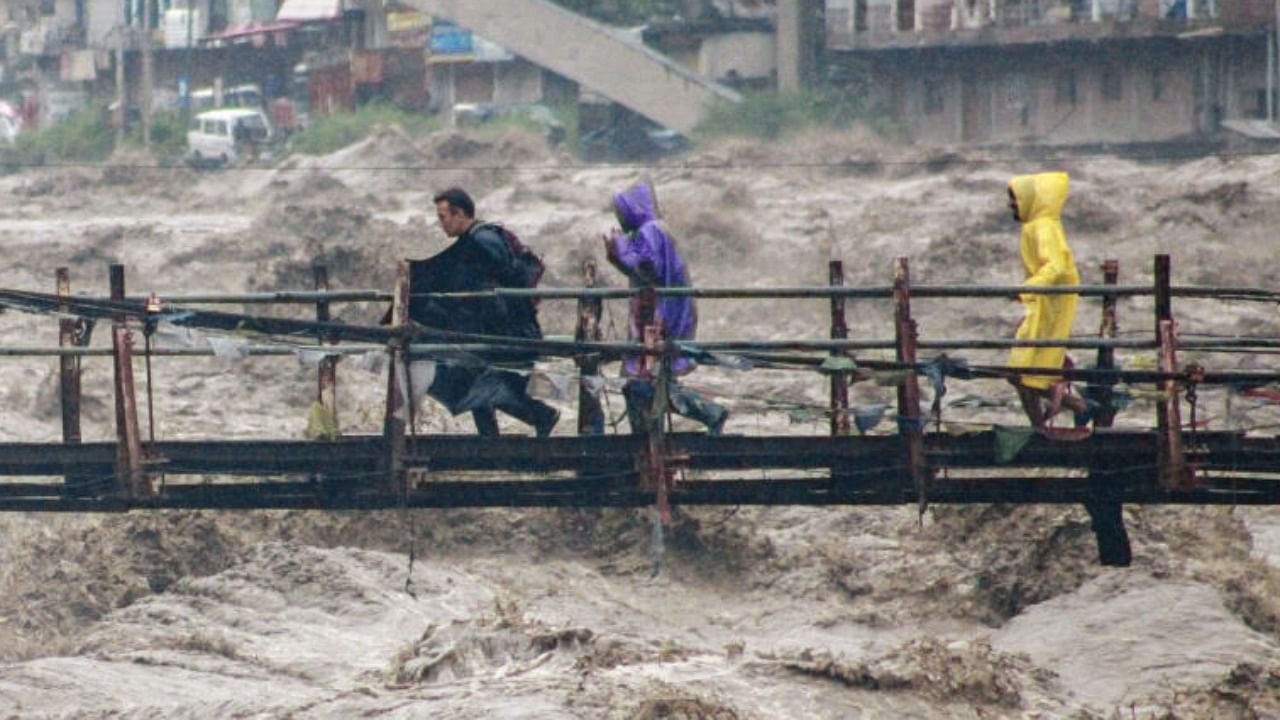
pixel 739 52
pixel 1072 72
pixel 596 57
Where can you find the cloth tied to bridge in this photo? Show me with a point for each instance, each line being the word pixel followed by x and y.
pixel 1047 260
pixel 228 348
pixel 549 385
pixel 311 358
pixel 706 357
pixel 373 362
pixel 866 417
pixel 175 337
pixel 1009 442
pixel 937 371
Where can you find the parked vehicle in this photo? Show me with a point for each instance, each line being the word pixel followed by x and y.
pixel 240 96
pixel 223 137
pixel 610 132
pixel 532 114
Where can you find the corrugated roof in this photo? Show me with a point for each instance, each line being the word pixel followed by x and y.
pixel 309 10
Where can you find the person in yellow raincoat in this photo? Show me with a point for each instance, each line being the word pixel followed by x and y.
pixel 1036 202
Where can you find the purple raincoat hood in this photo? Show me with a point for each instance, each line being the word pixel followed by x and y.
pixel 636 206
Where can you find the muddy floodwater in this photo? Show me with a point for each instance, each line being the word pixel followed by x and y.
pixel 966 612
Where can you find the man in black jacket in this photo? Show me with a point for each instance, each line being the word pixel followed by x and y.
pixel 479 259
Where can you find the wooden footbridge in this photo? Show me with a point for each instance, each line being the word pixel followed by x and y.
pixel 1172 460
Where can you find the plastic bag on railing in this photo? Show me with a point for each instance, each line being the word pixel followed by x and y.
pixel 175 337
pixel 421 374
pixel 546 385
pixel 593 384
pixel 374 361
pixel 866 417
pixel 228 348
pixel 311 358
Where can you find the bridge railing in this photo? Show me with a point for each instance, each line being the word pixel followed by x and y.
pixel 833 355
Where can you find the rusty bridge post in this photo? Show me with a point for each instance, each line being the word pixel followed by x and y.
pixel 68 375
pixel 1107 515
pixel 327 373
pixel 910 425
pixel 399 396
pixel 1172 469
pixel 590 414
pixel 130 478
pixel 839 331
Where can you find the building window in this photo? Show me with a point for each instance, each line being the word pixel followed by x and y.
pixel 859 15
pixel 1157 85
pixel 933 104
pixel 906 15
pixel 47 8
pixel 1064 88
pixel 1112 87
pixel 1015 91
pixel 1253 104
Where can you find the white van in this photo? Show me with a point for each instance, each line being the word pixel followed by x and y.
pixel 220 137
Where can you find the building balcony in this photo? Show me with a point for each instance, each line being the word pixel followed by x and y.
pixel 903 24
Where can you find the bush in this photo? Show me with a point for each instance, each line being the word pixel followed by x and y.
pixel 334 132
pixel 168 135
pixel 80 138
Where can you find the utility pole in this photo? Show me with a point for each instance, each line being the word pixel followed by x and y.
pixel 121 91
pixel 186 56
pixel 147 79
pixel 1271 73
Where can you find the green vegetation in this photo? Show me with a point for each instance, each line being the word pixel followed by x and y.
pixel 771 115
pixel 168 135
pixel 621 12
pixel 87 138
pixel 80 138
pixel 334 132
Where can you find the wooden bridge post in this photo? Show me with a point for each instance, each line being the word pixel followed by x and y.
pixel 839 331
pixel 130 478
pixel 590 414
pixel 1172 469
pixel 1109 328
pixel 399 399
pixel 1107 515
pixel 910 425
pixel 327 373
pixel 68 375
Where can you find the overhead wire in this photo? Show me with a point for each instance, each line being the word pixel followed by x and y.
pixel 1171 156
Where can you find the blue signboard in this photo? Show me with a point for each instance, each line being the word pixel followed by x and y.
pixel 449 39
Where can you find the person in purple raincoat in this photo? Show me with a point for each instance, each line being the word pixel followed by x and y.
pixel 647 255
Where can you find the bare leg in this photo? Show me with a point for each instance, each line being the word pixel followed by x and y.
pixel 1030 399
pixel 1060 397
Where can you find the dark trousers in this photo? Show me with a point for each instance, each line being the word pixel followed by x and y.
pixel 485 392
pixel 640 395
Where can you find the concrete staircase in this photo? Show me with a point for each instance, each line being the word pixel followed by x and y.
pixel 599 58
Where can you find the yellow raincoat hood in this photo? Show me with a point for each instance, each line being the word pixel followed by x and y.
pixel 1040 196
pixel 1047 260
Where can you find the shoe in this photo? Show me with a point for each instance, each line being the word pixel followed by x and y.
pixel 1091 408
pixel 547 423
pixel 716 428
